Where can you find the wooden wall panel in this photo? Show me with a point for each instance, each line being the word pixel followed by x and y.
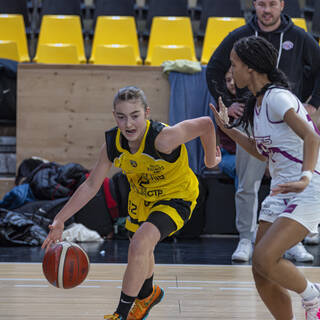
pixel 63 111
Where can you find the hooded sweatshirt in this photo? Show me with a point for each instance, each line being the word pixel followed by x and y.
pixel 298 58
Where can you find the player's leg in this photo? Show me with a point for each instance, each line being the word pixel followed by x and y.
pixel 276 298
pixel 168 217
pixel 275 275
pixel 143 239
pixel 140 260
pixel 147 286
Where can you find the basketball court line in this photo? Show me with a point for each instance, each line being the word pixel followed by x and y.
pixel 180 288
pixel 159 281
pixel 167 264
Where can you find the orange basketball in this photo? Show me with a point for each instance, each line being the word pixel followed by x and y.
pixel 65 265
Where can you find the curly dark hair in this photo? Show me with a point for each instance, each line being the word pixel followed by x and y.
pixel 260 55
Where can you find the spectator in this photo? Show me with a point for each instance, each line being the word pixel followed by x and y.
pixel 227 145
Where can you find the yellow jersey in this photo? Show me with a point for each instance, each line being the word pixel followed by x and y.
pixel 153 176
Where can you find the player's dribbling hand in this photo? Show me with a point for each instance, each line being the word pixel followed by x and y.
pixel 294 186
pixel 55 234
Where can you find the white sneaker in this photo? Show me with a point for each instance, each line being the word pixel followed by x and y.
pixel 243 251
pixel 312 239
pixel 299 254
pixel 312 307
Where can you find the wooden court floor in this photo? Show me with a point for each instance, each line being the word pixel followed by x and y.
pixel 191 292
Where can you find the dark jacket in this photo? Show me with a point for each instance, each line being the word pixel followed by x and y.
pixel 299 57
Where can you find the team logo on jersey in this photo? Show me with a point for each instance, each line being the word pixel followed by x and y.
pixel 287 45
pixel 133 163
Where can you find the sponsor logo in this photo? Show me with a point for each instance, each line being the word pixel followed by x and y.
pixel 156 178
pixel 155 168
pixel 145 192
pixel 143 180
pixel 287 45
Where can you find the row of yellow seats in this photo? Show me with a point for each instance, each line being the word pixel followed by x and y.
pixel 115 39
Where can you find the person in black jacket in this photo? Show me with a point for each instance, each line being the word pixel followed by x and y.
pixel 299 59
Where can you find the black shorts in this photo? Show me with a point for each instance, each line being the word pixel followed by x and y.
pixel 168 216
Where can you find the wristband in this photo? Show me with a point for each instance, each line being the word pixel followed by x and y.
pixel 307 174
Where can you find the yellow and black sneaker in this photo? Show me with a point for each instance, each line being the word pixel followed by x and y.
pixel 141 308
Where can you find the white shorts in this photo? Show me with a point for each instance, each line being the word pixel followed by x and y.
pixel 304 212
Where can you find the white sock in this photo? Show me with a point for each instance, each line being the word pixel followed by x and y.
pixel 310 292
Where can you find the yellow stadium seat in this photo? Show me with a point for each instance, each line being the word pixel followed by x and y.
pixel 12 29
pixel 58 53
pixel 217 29
pixel 115 54
pixel 171 52
pixel 112 34
pixel 300 22
pixel 61 29
pixel 9 50
pixel 170 31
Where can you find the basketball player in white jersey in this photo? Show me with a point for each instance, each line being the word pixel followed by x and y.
pixel 285 136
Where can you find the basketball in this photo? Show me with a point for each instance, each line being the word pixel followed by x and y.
pixel 65 265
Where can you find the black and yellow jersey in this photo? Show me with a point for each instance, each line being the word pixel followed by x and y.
pixel 152 175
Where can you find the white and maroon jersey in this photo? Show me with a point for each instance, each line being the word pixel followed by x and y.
pixel 277 141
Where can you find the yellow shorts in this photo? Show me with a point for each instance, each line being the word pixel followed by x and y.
pixel 167 215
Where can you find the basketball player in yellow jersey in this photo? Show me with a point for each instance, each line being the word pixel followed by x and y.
pixel 163 190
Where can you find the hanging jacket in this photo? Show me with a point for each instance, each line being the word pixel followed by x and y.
pixel 298 57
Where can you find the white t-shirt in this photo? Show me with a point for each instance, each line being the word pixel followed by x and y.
pixel 275 139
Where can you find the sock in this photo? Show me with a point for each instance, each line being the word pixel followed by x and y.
pixel 146 289
pixel 294 318
pixel 125 305
pixel 310 292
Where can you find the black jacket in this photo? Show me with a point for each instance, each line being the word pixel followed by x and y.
pixel 299 57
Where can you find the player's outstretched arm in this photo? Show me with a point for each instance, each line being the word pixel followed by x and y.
pixel 236 135
pixel 85 192
pixel 172 137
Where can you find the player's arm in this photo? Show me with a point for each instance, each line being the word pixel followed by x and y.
pixel 236 135
pixel 172 137
pixel 311 144
pixel 85 192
